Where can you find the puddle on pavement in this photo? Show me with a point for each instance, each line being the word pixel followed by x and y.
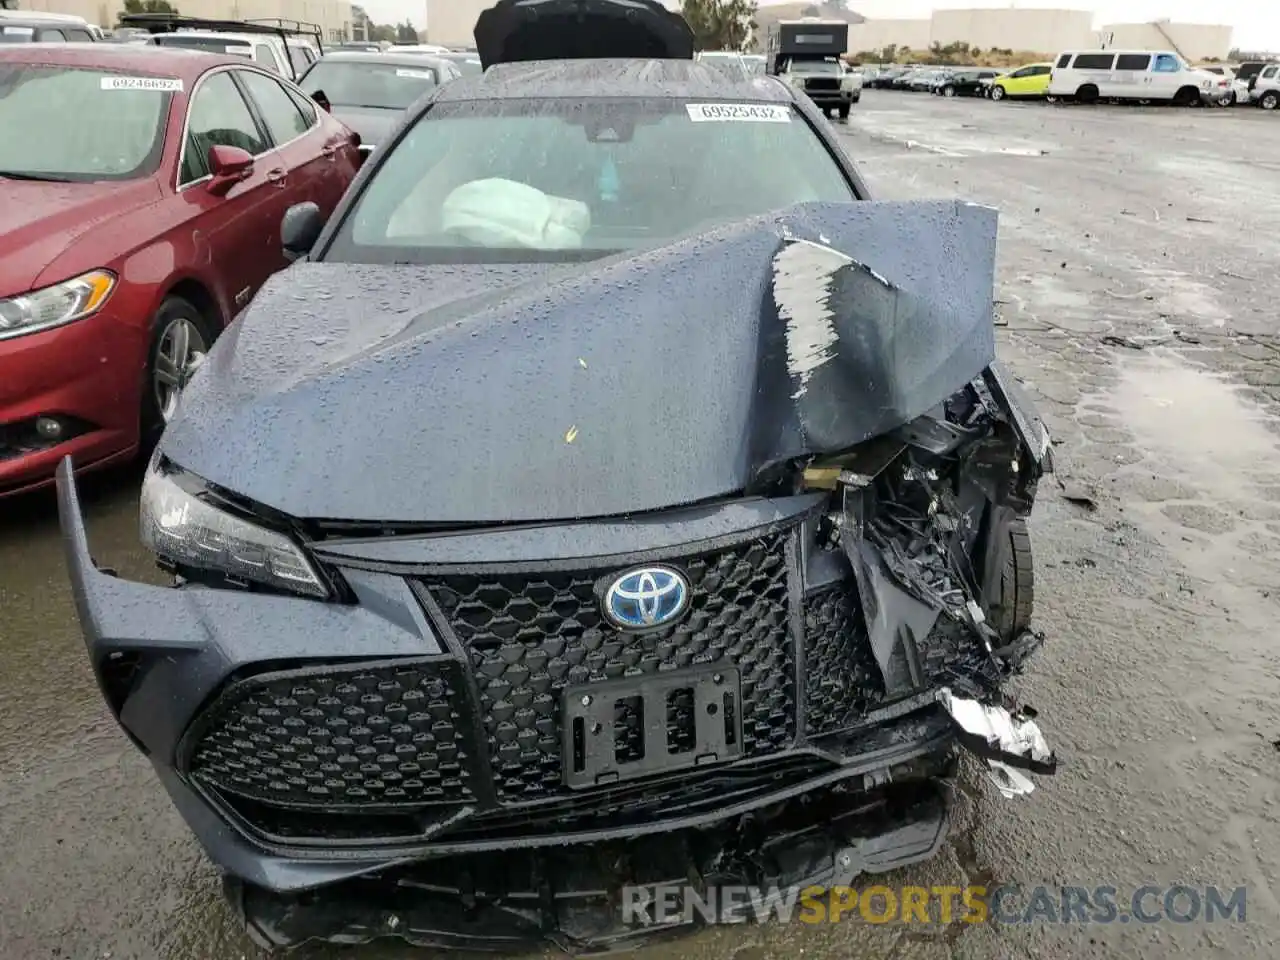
pixel 1197 427
pixel 1199 421
pixel 1183 298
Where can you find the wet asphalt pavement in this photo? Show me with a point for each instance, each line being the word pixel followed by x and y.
pixel 1138 300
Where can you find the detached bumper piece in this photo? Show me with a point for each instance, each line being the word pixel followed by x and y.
pixel 586 900
pixel 1008 741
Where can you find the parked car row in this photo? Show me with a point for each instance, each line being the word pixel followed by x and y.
pixel 1092 76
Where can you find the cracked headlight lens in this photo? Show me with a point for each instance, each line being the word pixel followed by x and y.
pixel 191 532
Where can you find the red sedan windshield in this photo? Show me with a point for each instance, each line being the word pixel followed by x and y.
pixel 112 129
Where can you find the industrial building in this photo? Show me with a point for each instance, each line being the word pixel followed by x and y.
pixel 1040 31
pixel 333 16
pixel 451 22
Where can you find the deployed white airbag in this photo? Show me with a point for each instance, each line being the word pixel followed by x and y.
pixel 505 213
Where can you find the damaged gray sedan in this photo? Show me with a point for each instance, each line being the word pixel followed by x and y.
pixel 613 494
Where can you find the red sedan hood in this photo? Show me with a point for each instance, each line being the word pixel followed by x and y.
pixel 40 220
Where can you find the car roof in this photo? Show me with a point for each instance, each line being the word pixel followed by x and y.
pixel 249 38
pixel 18 18
pixel 629 79
pixel 388 58
pixel 170 61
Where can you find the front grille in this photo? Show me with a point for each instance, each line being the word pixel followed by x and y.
pixel 531 635
pixel 822 83
pixel 685 794
pixel 389 733
pixel 842 678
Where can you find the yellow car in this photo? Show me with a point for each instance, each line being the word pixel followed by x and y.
pixel 1027 82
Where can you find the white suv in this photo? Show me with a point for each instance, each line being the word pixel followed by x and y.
pixel 1266 88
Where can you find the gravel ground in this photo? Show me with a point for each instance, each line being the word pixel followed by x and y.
pixel 1137 277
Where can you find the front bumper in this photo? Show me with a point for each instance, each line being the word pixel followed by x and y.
pixel 187 670
pixel 88 374
pixel 832 98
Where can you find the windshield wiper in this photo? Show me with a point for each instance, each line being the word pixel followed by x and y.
pixel 42 177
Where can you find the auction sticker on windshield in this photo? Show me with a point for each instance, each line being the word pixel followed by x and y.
pixel 415 74
pixel 19 31
pixel 162 84
pixel 741 112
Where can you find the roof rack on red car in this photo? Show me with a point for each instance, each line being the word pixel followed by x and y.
pixel 173 22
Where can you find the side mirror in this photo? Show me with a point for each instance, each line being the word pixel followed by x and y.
pixel 299 229
pixel 228 166
pixel 322 101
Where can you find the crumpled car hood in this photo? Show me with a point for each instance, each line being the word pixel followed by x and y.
pixel 492 393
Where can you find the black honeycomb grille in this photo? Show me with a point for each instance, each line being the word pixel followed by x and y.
pixel 842 679
pixel 387 733
pixel 531 635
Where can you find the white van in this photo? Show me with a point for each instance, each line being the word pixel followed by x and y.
pixel 1091 75
pixel 266 50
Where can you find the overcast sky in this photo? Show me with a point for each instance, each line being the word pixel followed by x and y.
pixel 1256 22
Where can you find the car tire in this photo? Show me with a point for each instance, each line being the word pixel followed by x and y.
pixel 1087 94
pixel 1013 605
pixel 844 111
pixel 180 337
pixel 948 91
pixel 998 93
pixel 1269 100
pixel 1187 97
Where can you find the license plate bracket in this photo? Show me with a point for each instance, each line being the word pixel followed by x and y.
pixel 639 726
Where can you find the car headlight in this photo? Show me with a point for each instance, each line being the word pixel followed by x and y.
pixel 53 306
pixel 183 527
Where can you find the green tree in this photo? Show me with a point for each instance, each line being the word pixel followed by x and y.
pixel 721 24
pixel 405 33
pixel 149 6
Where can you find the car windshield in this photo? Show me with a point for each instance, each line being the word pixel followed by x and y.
pixel 363 84
pixel 468 64
pixel 816 66
pixel 15 33
pixel 525 180
pixel 207 44
pixel 117 134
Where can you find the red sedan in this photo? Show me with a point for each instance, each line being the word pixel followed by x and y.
pixel 139 212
